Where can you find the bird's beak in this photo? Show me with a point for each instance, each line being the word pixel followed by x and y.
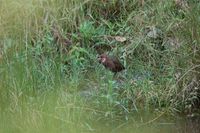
pixel 99 59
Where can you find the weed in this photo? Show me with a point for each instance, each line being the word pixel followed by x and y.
pixel 49 54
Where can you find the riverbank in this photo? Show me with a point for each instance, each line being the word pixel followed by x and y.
pixel 49 69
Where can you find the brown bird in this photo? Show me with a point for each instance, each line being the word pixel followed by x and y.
pixel 111 63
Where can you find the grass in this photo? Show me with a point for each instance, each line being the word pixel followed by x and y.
pixel 48 59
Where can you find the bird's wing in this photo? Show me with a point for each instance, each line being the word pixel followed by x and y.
pixel 117 63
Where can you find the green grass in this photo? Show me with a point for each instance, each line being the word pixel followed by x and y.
pixel 42 78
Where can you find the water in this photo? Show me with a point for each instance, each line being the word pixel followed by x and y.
pixel 163 125
pixel 42 122
pixel 64 113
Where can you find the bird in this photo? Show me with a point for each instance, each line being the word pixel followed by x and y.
pixel 111 63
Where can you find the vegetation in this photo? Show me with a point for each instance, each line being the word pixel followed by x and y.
pixel 49 71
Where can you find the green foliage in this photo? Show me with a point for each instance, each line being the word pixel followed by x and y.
pixel 161 56
pixel 87 30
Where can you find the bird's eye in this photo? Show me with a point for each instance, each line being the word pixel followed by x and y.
pixel 103 60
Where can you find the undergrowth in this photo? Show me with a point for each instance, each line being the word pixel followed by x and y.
pixel 52 47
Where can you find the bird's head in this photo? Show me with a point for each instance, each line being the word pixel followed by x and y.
pixel 102 58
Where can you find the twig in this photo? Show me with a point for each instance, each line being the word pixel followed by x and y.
pixel 151 121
